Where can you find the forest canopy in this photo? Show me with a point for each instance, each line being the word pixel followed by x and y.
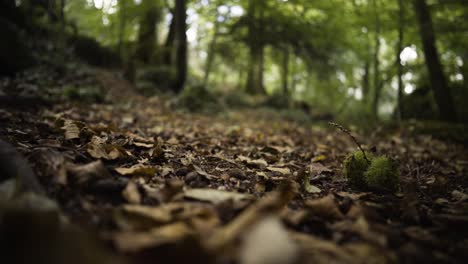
pixel 359 59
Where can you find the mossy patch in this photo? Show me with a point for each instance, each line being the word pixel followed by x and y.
pixel 382 175
pixel 354 167
pixel 374 173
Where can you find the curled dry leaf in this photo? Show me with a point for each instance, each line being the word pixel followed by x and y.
pixel 270 204
pixel 260 163
pixel 215 196
pixel 136 241
pixel 324 207
pixel 268 242
pixel 131 193
pixel 98 149
pixel 139 217
pixel 85 173
pixel 137 170
pixel 284 171
pixel 71 129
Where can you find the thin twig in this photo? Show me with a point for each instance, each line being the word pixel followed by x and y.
pixel 347 132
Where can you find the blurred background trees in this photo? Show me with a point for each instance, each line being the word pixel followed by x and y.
pixel 355 59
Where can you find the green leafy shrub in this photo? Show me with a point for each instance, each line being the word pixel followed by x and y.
pixel 237 99
pixel 155 80
pixel 382 175
pixel 354 168
pixel 277 101
pixel 92 52
pixel 198 99
pixel 88 94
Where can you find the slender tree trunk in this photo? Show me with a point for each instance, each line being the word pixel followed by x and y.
pixel 377 81
pixel 180 17
pixel 169 44
pixel 293 78
pixel 464 69
pixel 366 81
pixel 122 24
pixel 211 49
pixel 399 49
pixel 147 35
pixel 285 71
pixel 443 96
pixel 256 51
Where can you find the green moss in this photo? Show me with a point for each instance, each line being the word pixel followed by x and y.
pixel 382 175
pixel 354 167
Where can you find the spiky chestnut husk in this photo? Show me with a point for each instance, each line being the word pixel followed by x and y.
pixel 382 175
pixel 354 167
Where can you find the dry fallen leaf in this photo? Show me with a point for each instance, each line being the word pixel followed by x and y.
pixel 268 242
pixel 71 129
pixel 131 193
pixel 136 241
pixel 284 171
pixel 83 174
pixel 137 170
pixel 324 207
pixel 215 196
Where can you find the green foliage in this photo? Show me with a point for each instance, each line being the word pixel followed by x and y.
pixel 277 101
pixel 237 99
pixel 382 175
pixel 92 52
pixel 155 79
pixel 354 168
pixel 197 98
pixel 88 94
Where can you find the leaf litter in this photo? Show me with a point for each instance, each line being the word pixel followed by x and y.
pixel 145 182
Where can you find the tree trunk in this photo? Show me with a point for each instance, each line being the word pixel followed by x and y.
pixel 442 94
pixel 180 17
pixel 256 52
pixel 285 71
pixel 377 81
pixel 122 25
pixel 464 69
pixel 366 82
pixel 169 44
pixel 211 49
pixel 399 49
pixel 147 35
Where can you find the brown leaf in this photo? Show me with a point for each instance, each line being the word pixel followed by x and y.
pixel 136 241
pixel 131 193
pixel 83 174
pixel 137 170
pixel 268 242
pixel 325 207
pixel 71 129
pixel 284 171
pixel 215 196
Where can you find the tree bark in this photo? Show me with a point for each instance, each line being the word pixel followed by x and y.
pixel 147 35
pixel 169 44
pixel 122 24
pixel 285 71
pixel 442 94
pixel 180 17
pixel 211 50
pixel 256 51
pixel 399 49
pixel 377 81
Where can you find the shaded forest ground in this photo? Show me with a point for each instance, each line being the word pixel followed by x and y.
pixel 241 186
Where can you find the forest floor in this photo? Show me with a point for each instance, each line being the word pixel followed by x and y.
pixel 240 186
